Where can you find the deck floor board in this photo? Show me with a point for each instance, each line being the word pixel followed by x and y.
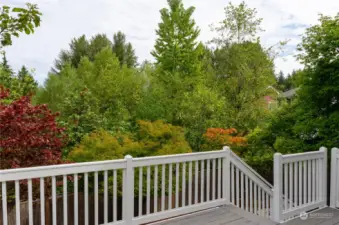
pixel 229 215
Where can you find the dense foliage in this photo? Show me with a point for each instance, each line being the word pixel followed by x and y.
pixel 81 47
pixel 194 97
pixel 17 20
pixel 30 135
pixel 150 139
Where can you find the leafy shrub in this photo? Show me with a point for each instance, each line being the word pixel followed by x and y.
pixel 30 135
pixel 216 138
pixel 101 145
pixel 150 139
pixel 160 138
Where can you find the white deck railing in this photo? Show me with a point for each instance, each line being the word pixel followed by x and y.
pixel 141 190
pixel 151 188
pixel 249 191
pixel 302 180
pixel 335 178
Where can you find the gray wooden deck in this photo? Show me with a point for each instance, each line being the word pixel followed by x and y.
pixel 230 215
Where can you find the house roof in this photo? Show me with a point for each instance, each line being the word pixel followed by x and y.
pixel 290 93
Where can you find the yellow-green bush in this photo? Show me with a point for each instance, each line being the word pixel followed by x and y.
pixel 101 145
pixel 150 139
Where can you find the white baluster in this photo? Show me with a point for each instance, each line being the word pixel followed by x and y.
pixel 163 178
pixel 42 201
pixel 190 183
pixel 115 196
pixel 196 175
pixel 237 188
pixel 177 185
pixel 140 190
pixel 213 179
pixel 65 207
pixel 156 188
pixel 105 198
pixel 17 202
pixel 4 202
pixel 86 199
pixel 170 184
pixel 202 182
pixel 96 199
pixel 219 178
pixel 148 189
pixel 183 185
pixel 54 209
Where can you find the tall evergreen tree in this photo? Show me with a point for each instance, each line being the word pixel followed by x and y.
pixel 82 47
pixel 281 78
pixel 26 82
pixel 131 59
pixel 5 66
pixel 176 48
pixel 78 48
pixel 6 73
pixel 123 50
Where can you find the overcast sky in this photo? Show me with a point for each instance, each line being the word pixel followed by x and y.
pixel 64 19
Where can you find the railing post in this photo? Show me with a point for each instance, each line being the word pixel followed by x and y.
pixel 277 189
pixel 334 177
pixel 324 174
pixel 128 191
pixel 226 182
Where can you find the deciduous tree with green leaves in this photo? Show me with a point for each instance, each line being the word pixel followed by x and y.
pixel 96 94
pixel 17 20
pixel 310 121
pixel 240 24
pixel 244 69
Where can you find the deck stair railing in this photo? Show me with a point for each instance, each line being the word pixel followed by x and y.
pixel 249 191
pixel 302 179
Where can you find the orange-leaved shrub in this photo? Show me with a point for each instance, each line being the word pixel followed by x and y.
pixel 216 138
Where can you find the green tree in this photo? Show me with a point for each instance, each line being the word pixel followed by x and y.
pixel 26 82
pixel 320 88
pixel 124 51
pixel 176 48
pixel 240 24
pixel 5 66
pixel 6 73
pixel 309 122
pixel 96 94
pixel 244 69
pixel 244 84
pixel 81 47
pixel 78 48
pixel 281 81
pixel 17 20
